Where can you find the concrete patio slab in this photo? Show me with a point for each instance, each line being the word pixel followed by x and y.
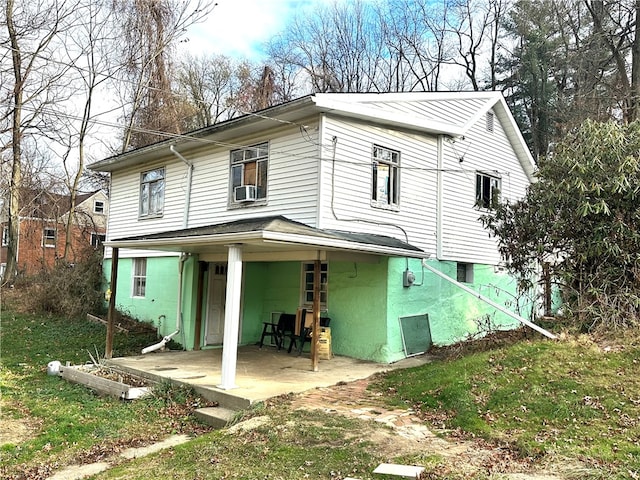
pixel 260 374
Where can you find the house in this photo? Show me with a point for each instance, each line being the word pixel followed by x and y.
pixel 43 226
pixel 219 230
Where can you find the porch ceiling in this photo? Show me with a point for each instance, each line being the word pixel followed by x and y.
pixel 270 237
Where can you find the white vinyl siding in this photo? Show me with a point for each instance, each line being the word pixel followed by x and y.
pixel 292 187
pixel 463 237
pixel 346 182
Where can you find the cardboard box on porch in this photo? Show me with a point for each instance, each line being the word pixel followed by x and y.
pixel 324 344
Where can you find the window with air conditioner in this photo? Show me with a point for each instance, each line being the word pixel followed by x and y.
pixel 249 173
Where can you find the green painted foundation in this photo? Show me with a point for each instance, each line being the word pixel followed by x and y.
pixel 365 301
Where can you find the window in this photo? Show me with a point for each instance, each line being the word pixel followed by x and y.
pixel 98 206
pixel 152 193
pixel 307 285
pixel 97 239
pixel 487 190
pixel 139 277
pixel 385 177
pixel 464 272
pixel 49 237
pixel 5 236
pixel 249 173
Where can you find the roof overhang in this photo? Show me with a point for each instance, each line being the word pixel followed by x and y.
pixel 270 238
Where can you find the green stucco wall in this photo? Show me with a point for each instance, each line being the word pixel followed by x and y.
pixel 159 305
pixel 365 301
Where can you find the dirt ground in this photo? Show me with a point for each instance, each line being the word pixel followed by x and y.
pixel 409 434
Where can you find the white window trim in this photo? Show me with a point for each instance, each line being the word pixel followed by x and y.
pixel 324 287
pixel 5 235
pixel 135 277
pixel 392 201
pixel 482 176
pixel 49 237
pixel 95 207
pixel 262 159
pixel 160 212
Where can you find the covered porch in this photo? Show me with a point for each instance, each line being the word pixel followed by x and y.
pixel 265 240
pixel 261 373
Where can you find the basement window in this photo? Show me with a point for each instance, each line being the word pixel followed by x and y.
pixel 464 272
pixel 139 278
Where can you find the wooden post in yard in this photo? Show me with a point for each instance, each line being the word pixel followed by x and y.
pixel 315 335
pixel 108 350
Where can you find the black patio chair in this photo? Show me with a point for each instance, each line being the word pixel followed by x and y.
pixel 278 332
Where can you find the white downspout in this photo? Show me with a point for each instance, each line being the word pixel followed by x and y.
pixel 439 203
pixel 187 200
pixel 167 339
pixel 522 320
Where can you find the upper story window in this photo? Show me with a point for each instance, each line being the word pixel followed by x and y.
pixel 487 190
pixel 5 236
pixel 152 193
pixel 49 237
pixel 385 177
pixel 139 277
pixel 249 173
pixel 308 283
pixel 98 206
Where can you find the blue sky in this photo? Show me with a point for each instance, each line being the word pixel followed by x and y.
pixel 239 28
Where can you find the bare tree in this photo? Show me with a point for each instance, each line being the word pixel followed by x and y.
pixel 150 29
pixel 87 52
pixel 30 34
pixel 616 25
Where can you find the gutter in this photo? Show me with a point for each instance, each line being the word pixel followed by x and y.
pixel 187 200
pixel 487 300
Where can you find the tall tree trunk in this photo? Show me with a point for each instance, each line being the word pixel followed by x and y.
pixel 16 169
pixel 634 110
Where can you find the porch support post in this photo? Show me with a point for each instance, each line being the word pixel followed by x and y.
pixel 108 349
pixel 231 317
pixel 315 333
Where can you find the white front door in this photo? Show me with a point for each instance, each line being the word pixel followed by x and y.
pixel 215 304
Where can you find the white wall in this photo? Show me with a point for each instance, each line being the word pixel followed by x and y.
pixel 292 186
pixel 463 237
pixel 352 182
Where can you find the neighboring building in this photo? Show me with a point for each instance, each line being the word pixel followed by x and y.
pixel 374 185
pixel 42 233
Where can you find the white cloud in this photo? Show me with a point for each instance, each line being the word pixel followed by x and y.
pixel 239 28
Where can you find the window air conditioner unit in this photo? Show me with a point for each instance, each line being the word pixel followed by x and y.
pixel 245 193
